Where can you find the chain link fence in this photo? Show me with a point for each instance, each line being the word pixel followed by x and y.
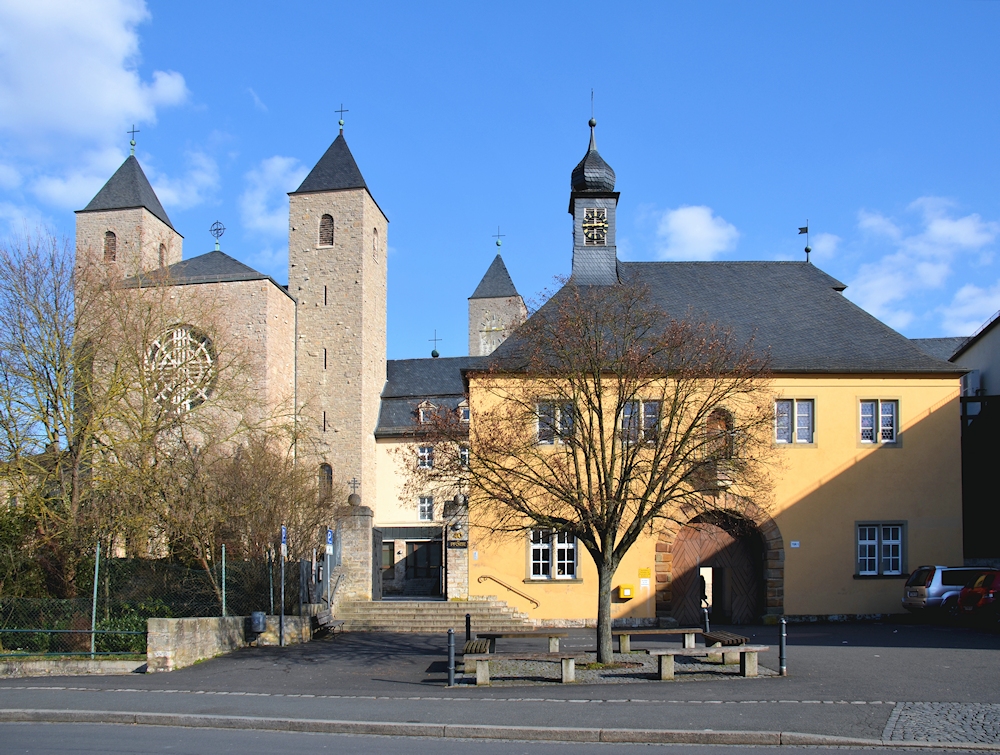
pixel 111 620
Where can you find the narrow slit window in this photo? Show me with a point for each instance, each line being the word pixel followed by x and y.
pixel 324 359
pixel 324 421
pixel 324 296
pixel 163 255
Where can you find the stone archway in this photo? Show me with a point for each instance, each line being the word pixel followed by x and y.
pixel 720 532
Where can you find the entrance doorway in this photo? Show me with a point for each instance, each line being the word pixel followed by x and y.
pixel 718 563
pixel 423 568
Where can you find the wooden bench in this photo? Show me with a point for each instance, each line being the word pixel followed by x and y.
pixel 476 647
pixel 625 636
pixel 482 660
pixel 325 620
pixel 553 638
pixel 747 658
pixel 722 638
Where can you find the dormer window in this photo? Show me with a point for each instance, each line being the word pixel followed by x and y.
pixel 326 230
pixel 426 412
pixel 463 411
pixel 110 246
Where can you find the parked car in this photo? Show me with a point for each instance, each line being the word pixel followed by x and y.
pixel 937 588
pixel 979 601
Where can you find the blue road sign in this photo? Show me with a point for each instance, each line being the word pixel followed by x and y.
pixel 284 535
pixel 329 536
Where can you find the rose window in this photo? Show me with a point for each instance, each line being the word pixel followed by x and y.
pixel 182 362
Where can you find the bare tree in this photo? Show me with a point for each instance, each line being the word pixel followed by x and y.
pixel 603 417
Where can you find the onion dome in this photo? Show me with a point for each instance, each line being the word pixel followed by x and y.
pixel 592 173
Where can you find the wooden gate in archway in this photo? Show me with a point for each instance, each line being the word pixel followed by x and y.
pixel 736 559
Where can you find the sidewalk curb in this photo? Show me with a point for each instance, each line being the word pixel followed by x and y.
pixel 471 731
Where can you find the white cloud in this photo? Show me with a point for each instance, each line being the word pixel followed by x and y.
pixel 77 185
pixel 919 261
pixel 257 101
pixel 200 178
pixel 69 70
pixel 824 247
pixel 10 177
pixel 694 233
pixel 970 308
pixel 264 201
pixel 21 220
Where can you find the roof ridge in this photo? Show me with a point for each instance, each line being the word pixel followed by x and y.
pixel 496 283
pixel 127 188
pixel 335 170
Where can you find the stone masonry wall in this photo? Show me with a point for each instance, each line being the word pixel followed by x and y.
pixel 341 293
pixel 510 312
pixel 139 235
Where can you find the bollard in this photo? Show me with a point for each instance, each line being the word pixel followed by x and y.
pixel 451 657
pixel 782 641
pixel 704 620
pixel 468 627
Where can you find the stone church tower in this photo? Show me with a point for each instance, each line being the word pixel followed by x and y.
pixel 126 227
pixel 495 309
pixel 337 273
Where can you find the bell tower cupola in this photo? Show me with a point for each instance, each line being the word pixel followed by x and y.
pixel 592 203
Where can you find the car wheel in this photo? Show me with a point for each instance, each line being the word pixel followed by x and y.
pixel 951 609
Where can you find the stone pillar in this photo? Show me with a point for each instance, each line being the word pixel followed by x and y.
pixel 356 557
pixel 456 547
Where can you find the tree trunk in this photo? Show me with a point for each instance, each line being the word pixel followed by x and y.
pixel 605 651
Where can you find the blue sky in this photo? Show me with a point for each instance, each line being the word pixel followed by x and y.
pixel 728 125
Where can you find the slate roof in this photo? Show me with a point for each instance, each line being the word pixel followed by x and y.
pixel 496 284
pixel 411 381
pixel 592 173
pixel 793 310
pixel 213 267
pixel 128 188
pixel 942 348
pixel 335 170
pixel 969 342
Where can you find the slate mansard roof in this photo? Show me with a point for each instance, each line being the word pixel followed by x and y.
pixel 411 381
pixel 795 313
pixel 335 170
pixel 127 189
pixel 496 284
pixel 942 348
pixel 213 267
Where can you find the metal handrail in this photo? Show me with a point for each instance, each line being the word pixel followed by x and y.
pixel 513 590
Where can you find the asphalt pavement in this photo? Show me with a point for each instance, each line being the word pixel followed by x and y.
pixel 885 682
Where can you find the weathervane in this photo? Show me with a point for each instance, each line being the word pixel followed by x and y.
pixel 435 339
pixel 217 230
pixel 341 121
pixel 499 236
pixel 805 229
pixel 131 143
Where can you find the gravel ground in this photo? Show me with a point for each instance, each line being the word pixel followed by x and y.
pixel 944 722
pixel 637 667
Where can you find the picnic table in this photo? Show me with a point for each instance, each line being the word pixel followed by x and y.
pixel 747 658
pixel 553 638
pixel 625 636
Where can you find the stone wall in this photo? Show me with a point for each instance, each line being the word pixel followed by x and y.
pixel 139 234
pixel 491 321
pixel 357 561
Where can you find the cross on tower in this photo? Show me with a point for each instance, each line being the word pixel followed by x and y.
pixel 341 121
pixel 499 236
pixel 133 132
pixel 354 484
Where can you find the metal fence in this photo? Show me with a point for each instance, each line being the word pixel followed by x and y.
pixel 115 597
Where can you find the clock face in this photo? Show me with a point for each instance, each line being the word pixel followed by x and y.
pixel 491 321
pixel 595 225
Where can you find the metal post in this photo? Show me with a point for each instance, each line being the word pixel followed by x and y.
pixel 93 606
pixel 451 657
pixel 281 615
pixel 468 627
pixel 270 579
pixel 223 579
pixel 782 642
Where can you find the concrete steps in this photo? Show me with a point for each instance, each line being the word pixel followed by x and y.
pixel 430 616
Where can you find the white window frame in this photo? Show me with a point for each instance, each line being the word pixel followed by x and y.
pixel 463 412
pixel 425 457
pixel 880 432
pixel 425 412
pixel 425 508
pixel 552 555
pixel 635 425
pixel 801 421
pixel 463 457
pixel 880 549
pixel 561 423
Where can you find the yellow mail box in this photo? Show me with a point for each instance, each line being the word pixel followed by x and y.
pixel 626 592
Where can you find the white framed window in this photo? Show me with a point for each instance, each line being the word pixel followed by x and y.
pixel 555 422
pixel 650 421
pixel 794 420
pixel 425 509
pixel 425 457
pixel 553 554
pixel 879 420
pixel 640 421
pixel 463 456
pixel 881 548
pixel 463 412
pixel 425 412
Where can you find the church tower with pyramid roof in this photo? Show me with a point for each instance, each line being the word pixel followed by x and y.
pixel 495 309
pixel 125 228
pixel 337 273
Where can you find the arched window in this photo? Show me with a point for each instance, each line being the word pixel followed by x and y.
pixel 325 480
pixel 720 434
pixel 326 230
pixel 163 255
pixel 375 244
pixel 110 246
